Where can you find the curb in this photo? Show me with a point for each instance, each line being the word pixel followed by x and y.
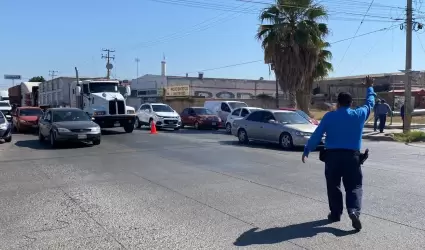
pixel 378 138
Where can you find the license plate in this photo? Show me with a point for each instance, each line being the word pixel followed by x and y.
pixel 214 123
pixel 117 124
pixel 82 136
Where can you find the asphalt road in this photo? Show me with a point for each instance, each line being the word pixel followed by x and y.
pixel 199 190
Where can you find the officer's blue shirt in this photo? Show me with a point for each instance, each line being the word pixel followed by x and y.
pixel 343 127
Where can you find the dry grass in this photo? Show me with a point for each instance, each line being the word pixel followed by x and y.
pixel 412 136
pixel 318 115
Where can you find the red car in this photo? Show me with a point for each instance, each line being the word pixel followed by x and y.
pixel 303 114
pixel 200 117
pixel 26 118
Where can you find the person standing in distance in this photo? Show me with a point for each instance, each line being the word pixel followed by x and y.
pixel 344 129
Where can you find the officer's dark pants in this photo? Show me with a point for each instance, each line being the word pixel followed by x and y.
pixel 345 165
pixel 382 121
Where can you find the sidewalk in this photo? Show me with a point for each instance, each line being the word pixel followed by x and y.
pixel 369 134
pixel 396 125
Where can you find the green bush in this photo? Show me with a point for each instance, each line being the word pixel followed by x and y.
pixel 412 136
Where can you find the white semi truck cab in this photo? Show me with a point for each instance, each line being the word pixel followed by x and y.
pixel 102 100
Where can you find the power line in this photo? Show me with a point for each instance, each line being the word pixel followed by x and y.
pixel 358 28
pixel 262 60
pixel 52 73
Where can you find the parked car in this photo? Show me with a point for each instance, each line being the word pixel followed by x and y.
pixel 284 127
pixel 160 113
pixel 223 108
pixel 8 115
pixel 26 118
pixel 68 124
pixel 5 129
pixel 303 114
pixel 200 117
pixel 238 114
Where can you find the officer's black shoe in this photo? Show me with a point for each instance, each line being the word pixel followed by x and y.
pixel 333 217
pixel 355 222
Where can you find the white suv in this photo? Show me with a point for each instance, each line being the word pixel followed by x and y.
pixel 160 113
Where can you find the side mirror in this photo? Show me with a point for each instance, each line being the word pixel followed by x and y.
pixel 78 91
pixel 92 118
pixel 128 90
pixel 147 110
pixel 272 121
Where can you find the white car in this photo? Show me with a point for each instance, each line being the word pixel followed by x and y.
pixel 238 114
pixel 159 113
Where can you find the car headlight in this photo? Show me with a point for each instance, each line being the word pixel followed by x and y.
pixel 130 112
pixel 218 119
pixel 3 126
pixel 95 129
pixel 63 130
pixel 99 113
pixel 23 121
pixel 299 133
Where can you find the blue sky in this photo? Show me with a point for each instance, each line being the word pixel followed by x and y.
pixel 38 36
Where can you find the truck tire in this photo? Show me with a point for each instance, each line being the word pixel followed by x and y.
pixel 128 128
pixel 8 139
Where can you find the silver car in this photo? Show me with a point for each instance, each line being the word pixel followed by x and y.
pixel 286 128
pixel 5 128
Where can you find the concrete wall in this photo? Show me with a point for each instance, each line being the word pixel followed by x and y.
pixel 179 104
pixel 213 88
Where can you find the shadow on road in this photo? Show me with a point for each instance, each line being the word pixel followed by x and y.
pixel 261 145
pixel 282 234
pixel 112 132
pixel 35 144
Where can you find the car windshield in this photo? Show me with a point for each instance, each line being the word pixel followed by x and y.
pixel 99 87
pixel 4 104
pixel 301 113
pixel 162 108
pixel 235 105
pixel 203 111
pixel 290 118
pixel 69 115
pixel 30 112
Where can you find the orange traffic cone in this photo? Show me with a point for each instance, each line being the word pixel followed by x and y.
pixel 153 128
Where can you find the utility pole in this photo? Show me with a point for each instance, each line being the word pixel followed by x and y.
pixel 108 58
pixel 408 86
pixel 52 73
pixel 137 60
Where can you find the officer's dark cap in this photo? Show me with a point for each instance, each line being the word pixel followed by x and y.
pixel 345 99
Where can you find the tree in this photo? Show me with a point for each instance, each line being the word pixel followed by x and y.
pixel 322 70
pixel 291 36
pixel 37 79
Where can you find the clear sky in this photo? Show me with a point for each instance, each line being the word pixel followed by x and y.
pixel 38 36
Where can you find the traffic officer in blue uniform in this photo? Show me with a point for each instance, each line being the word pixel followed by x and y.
pixel 344 129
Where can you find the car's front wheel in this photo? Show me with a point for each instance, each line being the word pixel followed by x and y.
pixel 40 136
pixel 243 136
pixel 52 136
pixel 96 141
pixel 228 128
pixel 137 123
pixel 286 141
pixel 8 139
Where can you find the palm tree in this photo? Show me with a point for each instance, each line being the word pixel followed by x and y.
pixel 322 70
pixel 291 36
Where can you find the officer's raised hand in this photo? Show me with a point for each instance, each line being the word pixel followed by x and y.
pixel 369 81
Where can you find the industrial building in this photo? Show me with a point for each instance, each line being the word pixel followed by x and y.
pixel 152 86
